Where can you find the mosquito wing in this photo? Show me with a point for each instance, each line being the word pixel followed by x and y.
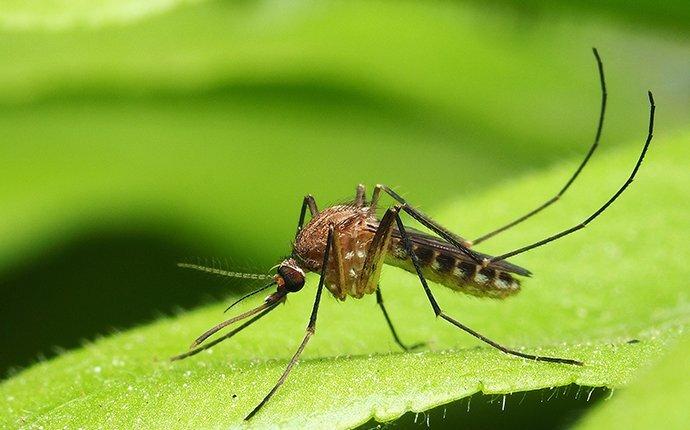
pixel 428 242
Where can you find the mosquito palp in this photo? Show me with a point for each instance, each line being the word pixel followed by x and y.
pixel 209 344
pixel 348 244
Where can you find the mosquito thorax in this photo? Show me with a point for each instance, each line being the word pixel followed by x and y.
pixel 290 276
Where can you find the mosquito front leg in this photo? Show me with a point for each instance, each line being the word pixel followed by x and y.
pixel 310 203
pixel 440 313
pixel 311 327
pixel 567 185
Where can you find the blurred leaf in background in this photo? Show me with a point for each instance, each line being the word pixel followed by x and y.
pixel 136 134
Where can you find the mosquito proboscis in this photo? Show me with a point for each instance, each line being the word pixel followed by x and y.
pixel 347 245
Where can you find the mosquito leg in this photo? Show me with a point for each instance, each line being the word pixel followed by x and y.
pixel 337 257
pixel 570 181
pixel 452 238
pixel 226 336
pixel 311 328
pixel 376 253
pixel 375 198
pixel 440 313
pixel 361 196
pixel 310 203
pixel 598 212
pixel 371 270
pixel 379 300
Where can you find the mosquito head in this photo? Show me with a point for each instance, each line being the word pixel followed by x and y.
pixel 290 276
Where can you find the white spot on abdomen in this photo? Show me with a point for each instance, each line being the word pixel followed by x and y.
pixel 501 284
pixel 480 279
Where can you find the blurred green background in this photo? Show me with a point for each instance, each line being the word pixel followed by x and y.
pixel 137 134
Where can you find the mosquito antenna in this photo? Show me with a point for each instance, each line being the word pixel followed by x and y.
pixel 271 301
pixel 258 290
pixel 221 272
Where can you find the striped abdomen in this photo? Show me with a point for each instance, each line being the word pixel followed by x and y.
pixel 453 269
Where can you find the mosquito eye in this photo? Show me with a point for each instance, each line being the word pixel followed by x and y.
pixel 294 279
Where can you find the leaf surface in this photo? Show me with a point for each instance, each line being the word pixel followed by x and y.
pixel 592 294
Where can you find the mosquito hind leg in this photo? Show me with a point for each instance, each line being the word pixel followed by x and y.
pixel 592 217
pixel 592 148
pixel 311 328
pixel 461 244
pixel 440 313
pixel 379 301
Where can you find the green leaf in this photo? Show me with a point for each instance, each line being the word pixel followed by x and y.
pixel 658 399
pixel 591 294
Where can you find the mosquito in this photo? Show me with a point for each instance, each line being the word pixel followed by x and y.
pixel 347 244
